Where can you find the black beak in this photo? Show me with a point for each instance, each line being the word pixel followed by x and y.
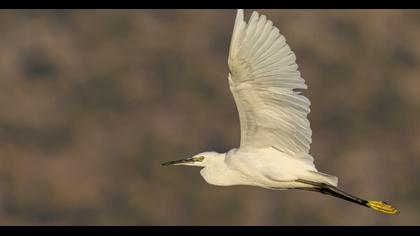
pixel 177 162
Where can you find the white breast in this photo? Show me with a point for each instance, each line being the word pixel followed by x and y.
pixel 221 175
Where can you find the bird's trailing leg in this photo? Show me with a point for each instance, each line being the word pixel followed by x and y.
pixel 335 192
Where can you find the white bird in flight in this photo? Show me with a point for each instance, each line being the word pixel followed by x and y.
pixel 275 130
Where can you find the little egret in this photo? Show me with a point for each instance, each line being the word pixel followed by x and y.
pixel 275 131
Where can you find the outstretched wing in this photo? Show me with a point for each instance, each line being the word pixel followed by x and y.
pixel 263 76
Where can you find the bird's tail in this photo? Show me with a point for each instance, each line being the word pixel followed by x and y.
pixel 380 206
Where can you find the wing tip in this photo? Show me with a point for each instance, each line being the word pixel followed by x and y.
pixel 254 16
pixel 239 16
pixel 239 20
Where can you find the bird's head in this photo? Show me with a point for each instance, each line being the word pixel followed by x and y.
pixel 200 160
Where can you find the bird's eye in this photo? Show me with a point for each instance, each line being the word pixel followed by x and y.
pixel 198 159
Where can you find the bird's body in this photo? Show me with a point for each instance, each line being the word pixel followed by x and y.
pixel 275 131
pixel 260 167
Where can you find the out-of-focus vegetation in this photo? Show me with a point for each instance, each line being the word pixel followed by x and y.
pixel 92 101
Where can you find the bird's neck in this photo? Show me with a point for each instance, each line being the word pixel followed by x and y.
pixel 218 172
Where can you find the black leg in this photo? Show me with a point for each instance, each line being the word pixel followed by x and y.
pixel 335 192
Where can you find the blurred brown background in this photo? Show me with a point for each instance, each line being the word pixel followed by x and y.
pixel 92 101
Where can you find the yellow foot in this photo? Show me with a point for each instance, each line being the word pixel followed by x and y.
pixel 382 207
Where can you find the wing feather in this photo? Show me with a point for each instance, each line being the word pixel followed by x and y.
pixel 263 76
